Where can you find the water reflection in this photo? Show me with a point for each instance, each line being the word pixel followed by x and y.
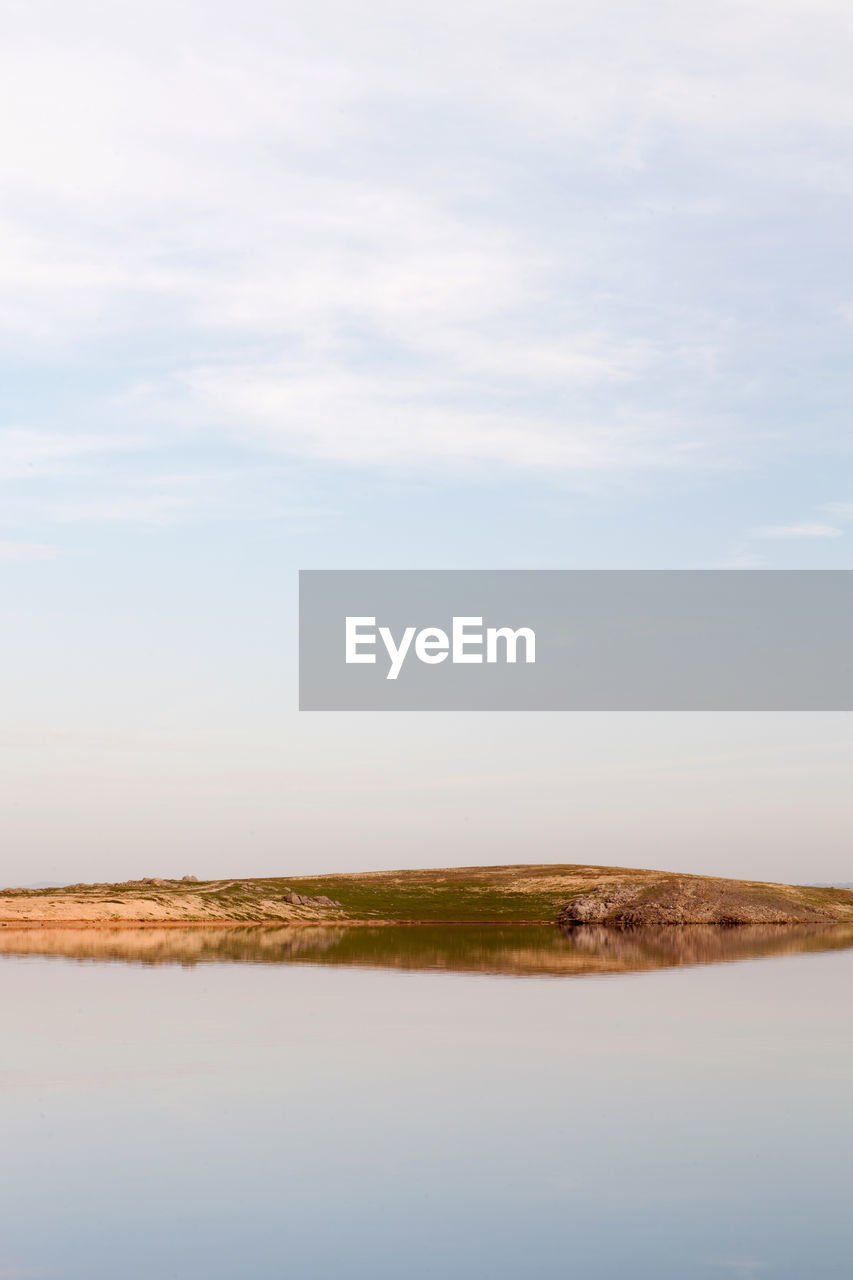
pixel 514 949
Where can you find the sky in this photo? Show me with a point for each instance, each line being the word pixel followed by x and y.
pixel 406 286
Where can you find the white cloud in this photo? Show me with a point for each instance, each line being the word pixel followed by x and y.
pixel 805 529
pixel 13 1271
pixel 129 508
pixel 28 453
pixel 163 499
pixel 396 421
pixel 742 1268
pixel 27 551
pixel 398 236
pixel 842 511
pixel 740 558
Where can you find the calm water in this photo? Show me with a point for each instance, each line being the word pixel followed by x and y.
pixel 419 1104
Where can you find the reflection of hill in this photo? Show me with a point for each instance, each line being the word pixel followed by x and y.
pixel 512 949
pixel 247 945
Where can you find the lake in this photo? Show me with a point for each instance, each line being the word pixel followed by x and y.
pixel 249 1104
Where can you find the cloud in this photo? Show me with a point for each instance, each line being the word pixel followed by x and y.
pixel 460 234
pixel 10 1271
pixel 28 453
pixel 398 421
pixel 805 529
pixel 163 499
pixel 742 1268
pixel 27 551
pixel 740 558
pixel 156 508
pixel 842 511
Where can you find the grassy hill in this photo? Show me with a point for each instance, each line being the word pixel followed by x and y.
pixel 535 894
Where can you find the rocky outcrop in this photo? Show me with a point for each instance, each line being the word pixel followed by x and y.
pixel 301 900
pixel 692 900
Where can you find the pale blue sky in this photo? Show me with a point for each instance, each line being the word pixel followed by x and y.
pixel 410 285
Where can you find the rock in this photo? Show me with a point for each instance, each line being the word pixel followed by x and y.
pixel 688 900
pixel 300 900
pixel 189 879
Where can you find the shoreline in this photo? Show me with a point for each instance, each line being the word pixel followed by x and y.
pixel 127 922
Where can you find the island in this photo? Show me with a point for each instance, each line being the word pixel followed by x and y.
pixel 570 895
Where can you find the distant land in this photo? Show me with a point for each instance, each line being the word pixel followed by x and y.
pixel 567 895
